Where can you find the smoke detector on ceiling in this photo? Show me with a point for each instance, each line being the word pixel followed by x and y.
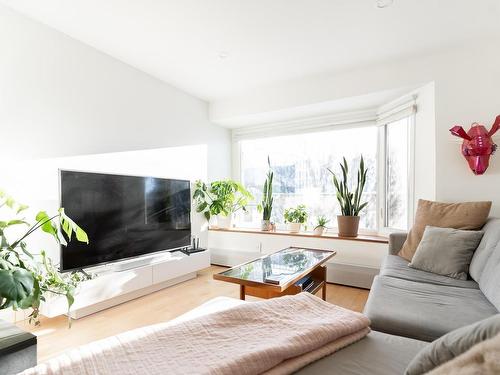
pixel 222 55
pixel 381 4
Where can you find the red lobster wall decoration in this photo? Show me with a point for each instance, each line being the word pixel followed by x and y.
pixel 477 146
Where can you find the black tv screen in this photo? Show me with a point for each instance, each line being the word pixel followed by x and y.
pixel 124 216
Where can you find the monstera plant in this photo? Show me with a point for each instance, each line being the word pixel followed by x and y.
pixel 27 276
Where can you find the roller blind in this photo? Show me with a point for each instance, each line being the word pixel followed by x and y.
pixel 308 125
pixel 396 111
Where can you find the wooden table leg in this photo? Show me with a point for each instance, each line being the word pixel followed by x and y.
pixel 242 292
pixel 323 293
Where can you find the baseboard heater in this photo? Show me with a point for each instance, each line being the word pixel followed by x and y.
pixel 351 274
pixel 230 258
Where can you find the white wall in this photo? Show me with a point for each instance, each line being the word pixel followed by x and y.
pixel 466 80
pixel 425 144
pixel 60 97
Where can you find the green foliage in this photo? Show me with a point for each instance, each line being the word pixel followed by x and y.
pixel 350 203
pixel 26 277
pixel 321 222
pixel 296 215
pixel 266 207
pixel 220 197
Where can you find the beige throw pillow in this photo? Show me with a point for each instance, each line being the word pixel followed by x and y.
pixel 466 216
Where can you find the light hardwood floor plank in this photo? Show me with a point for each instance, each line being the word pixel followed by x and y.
pixel 54 336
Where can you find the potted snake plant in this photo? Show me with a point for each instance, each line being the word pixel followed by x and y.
pixel 266 207
pixel 350 202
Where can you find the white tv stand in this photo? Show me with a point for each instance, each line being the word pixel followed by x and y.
pixel 124 281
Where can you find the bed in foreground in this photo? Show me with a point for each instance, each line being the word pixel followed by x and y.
pixel 226 336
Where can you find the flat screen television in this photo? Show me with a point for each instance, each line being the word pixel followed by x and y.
pixel 124 216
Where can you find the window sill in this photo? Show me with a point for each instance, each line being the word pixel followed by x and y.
pixel 328 236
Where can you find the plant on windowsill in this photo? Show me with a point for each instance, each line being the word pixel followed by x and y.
pixel 350 203
pixel 26 277
pixel 221 199
pixel 295 217
pixel 321 226
pixel 266 207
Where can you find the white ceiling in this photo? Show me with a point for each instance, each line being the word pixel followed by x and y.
pixel 266 41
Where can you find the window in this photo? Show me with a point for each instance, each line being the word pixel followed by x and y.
pixel 300 165
pixel 397 174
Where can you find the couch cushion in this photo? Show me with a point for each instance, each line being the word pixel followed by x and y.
pixel 421 310
pixel 453 344
pixel 466 215
pixel 489 282
pixel 490 240
pixel 446 251
pixel 376 354
pixel 395 266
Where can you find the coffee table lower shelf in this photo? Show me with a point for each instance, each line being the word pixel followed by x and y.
pixel 267 291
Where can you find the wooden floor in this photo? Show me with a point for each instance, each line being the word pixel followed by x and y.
pixel 54 336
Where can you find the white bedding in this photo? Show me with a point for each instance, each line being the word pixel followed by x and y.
pixel 211 306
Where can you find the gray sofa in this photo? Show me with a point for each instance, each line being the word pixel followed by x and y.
pixel 416 304
pixel 376 354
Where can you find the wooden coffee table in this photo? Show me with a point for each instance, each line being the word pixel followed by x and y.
pixel 281 273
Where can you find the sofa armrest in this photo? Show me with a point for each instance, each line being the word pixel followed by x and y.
pixel 396 241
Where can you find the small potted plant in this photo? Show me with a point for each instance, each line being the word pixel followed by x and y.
pixel 321 226
pixel 221 199
pixel 350 202
pixel 295 217
pixel 266 207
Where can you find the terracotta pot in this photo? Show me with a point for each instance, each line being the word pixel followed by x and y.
pixel 348 225
pixel 294 227
pixel 225 222
pixel 266 225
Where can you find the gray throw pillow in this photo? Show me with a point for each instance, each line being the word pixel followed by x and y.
pixel 446 251
pixel 453 344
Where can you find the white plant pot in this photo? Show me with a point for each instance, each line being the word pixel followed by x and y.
pixel 319 231
pixel 225 222
pixel 294 227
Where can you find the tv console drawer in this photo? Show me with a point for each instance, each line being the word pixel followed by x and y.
pixel 179 265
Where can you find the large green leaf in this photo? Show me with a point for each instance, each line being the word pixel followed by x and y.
pixel 46 224
pixel 16 284
pixel 69 226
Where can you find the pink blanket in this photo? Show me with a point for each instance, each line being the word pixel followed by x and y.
pixel 276 336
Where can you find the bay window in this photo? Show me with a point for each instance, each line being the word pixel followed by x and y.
pixel 397 176
pixel 300 163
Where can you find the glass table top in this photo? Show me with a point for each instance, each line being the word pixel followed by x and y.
pixel 279 267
